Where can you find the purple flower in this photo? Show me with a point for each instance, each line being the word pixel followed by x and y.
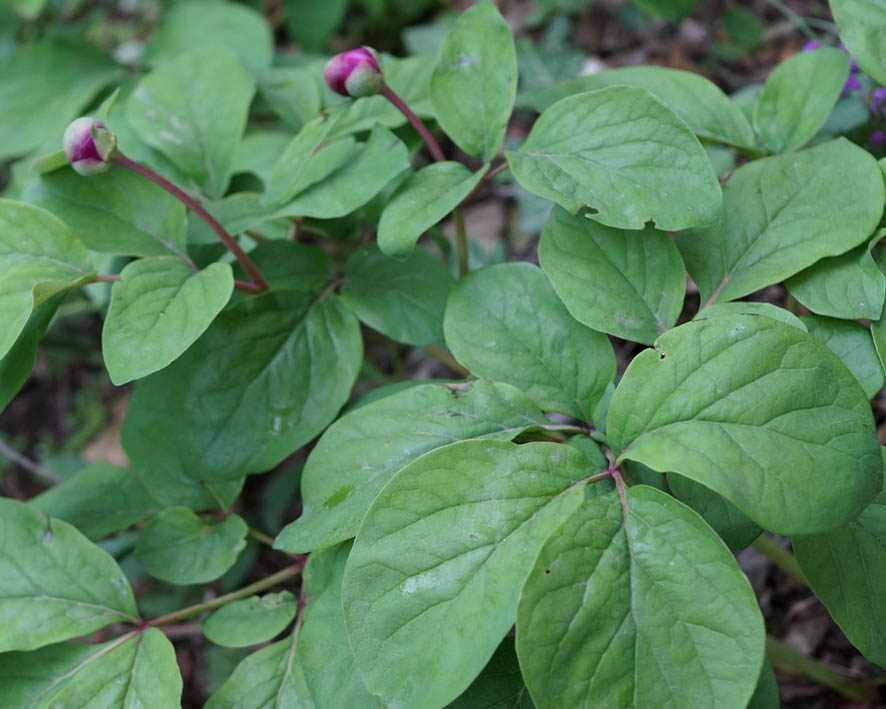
pixel 878 138
pixel 852 84
pixel 355 73
pixel 878 99
pixel 89 146
pixel 853 67
pixel 811 45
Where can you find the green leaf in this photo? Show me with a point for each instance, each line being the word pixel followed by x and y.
pixel 115 212
pixel 129 672
pixel 782 214
pixel 638 604
pixel 191 25
pixel 99 500
pixel 669 9
pixel 474 83
pixel 852 343
pixel 382 158
pixel 17 363
pixel 424 198
pixel 43 86
pixel 267 376
pixel 292 92
pixel 159 307
pixel 707 111
pixel 846 568
pixel 361 451
pixel 878 325
pixel 623 153
pixel 312 23
pixel 403 299
pixel 54 583
pixel 766 694
pixel 731 524
pixel 799 95
pixel 505 322
pixel 767 310
pixel 629 284
pixel 862 25
pixel 252 620
pixel 193 109
pixel 39 257
pixel 758 411
pixel 171 487
pixel 848 286
pixel 500 684
pixel 435 572
pixel 258 152
pixel 179 547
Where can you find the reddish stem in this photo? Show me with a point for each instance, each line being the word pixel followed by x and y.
pixel 259 283
pixel 432 144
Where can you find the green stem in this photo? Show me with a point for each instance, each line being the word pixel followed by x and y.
pixel 441 355
pixel 780 556
pixel 461 239
pixel 262 537
pixel 244 592
pixel 784 658
pixel 797 21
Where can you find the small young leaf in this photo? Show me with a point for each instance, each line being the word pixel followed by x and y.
pixel 623 153
pixel 638 605
pixel 178 546
pixel 159 307
pixel 627 283
pixel 403 299
pixel 852 343
pixel 436 570
pixel 474 83
pixel 505 322
pixel 139 672
pixel 799 95
pixel 425 198
pixel 863 28
pixel 39 257
pixel 708 112
pixel 312 23
pixel 54 583
pixel 361 451
pixel 758 411
pixel 116 212
pixel 193 109
pixel 252 620
pixel 98 500
pixel 782 214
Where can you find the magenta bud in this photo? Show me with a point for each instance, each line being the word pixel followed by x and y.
pixel 89 146
pixel 356 73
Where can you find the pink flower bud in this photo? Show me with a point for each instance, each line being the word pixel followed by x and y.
pixel 89 146
pixel 355 73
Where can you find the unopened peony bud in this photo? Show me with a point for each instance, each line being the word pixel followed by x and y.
pixel 356 73
pixel 89 146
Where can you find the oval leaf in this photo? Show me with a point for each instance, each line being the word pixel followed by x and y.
pixel 251 621
pixel 623 153
pixel 759 412
pixel 862 26
pixel 853 344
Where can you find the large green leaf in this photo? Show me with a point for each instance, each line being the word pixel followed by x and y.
pixel 474 83
pixel 401 298
pixel 782 214
pixel 732 525
pixel 862 26
pixel 759 412
pixel 39 257
pixel 98 500
pixel 382 158
pixel 312 23
pixel 436 570
pixel 707 111
pixel 43 86
pixel 54 583
pixel 267 376
pixel 126 673
pixel 852 343
pixel 799 95
pixel 361 451
pixel 505 322
pixel 117 212
pixel 638 604
pixel 623 153
pixel 193 109
pixel 252 620
pixel 292 92
pixel 848 286
pixel 189 25
pixel 178 546
pixel 846 568
pixel 423 199
pixel 159 307
pixel 629 284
